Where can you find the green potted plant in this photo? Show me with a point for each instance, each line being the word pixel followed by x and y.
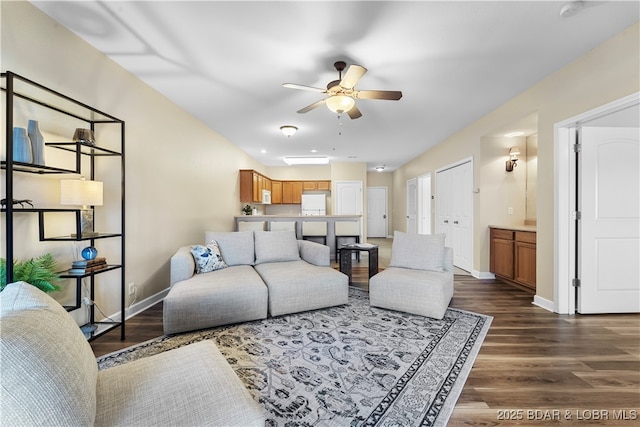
pixel 247 210
pixel 40 272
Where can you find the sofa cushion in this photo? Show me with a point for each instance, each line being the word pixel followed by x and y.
pixel 236 247
pixel 422 292
pixel 207 258
pixel 276 246
pixel 231 295
pixel 418 251
pixel 190 386
pixel 299 286
pixel 49 371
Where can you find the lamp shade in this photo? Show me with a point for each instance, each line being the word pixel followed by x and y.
pixel 80 192
pixel 340 103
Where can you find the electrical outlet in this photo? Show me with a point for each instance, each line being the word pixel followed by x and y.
pixel 510 211
pixel 132 288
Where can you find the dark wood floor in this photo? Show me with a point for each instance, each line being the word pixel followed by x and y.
pixel 534 367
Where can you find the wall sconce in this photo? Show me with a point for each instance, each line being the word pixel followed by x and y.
pixel 288 130
pixel 514 152
pixel 83 193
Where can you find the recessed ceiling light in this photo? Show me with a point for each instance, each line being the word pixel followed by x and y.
pixel 314 151
pixel 309 160
pixel 263 151
pixel 514 134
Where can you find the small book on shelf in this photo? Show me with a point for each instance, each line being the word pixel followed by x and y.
pixel 88 266
pixel 82 263
pixel 85 270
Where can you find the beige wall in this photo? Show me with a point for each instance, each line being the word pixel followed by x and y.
pixel 607 73
pixel 182 177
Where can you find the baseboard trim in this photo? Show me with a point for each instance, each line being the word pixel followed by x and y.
pixel 141 306
pixel 543 303
pixel 482 275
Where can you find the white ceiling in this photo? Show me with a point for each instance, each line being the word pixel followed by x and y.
pixel 454 61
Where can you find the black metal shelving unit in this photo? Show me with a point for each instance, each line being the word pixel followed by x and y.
pixel 20 88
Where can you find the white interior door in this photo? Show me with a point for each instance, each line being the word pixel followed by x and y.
pixel 609 229
pixel 411 206
pixel 377 211
pixel 424 204
pixel 348 198
pixel 454 211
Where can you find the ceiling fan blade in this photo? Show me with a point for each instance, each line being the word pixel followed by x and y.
pixel 392 95
pixel 354 113
pixel 303 87
pixel 312 106
pixel 352 76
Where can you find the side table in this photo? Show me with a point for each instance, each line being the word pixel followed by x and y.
pixel 345 258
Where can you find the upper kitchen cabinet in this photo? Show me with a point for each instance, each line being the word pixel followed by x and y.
pixel 252 184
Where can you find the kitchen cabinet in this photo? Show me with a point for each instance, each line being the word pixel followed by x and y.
pixel 513 256
pixel 251 185
pixel 316 185
pixel 282 192
pixel 276 192
pixel 323 185
pixel 291 192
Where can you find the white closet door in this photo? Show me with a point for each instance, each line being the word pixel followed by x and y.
pixel 610 225
pixel 454 211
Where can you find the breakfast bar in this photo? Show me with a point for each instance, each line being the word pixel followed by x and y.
pixel 269 222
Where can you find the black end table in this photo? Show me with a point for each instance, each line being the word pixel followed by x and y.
pixel 345 258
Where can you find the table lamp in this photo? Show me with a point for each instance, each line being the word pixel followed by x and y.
pixel 86 194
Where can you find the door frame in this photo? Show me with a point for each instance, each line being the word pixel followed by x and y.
pixel 415 201
pixel 565 182
pixel 424 195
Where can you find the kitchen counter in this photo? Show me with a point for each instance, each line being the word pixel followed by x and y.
pixel 298 219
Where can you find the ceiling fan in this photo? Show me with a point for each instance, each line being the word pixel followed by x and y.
pixel 342 92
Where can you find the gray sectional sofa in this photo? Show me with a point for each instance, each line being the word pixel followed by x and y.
pixel 257 273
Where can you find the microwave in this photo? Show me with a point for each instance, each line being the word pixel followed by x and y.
pixel 266 197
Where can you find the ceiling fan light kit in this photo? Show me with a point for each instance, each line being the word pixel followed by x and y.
pixel 342 92
pixel 340 103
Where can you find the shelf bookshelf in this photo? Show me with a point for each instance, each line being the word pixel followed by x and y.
pixel 55 111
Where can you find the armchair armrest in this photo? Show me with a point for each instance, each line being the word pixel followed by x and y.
pixel 314 253
pixel 448 259
pixel 183 266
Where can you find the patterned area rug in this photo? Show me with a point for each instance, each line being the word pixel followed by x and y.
pixel 350 365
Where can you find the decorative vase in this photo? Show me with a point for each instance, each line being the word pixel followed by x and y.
pixel 21 146
pixel 37 142
pixel 89 253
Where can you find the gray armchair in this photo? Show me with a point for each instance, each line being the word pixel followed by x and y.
pixel 419 279
pixel 50 376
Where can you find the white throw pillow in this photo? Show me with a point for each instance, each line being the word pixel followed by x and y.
pixel 208 258
pixel 418 251
pixel 276 246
